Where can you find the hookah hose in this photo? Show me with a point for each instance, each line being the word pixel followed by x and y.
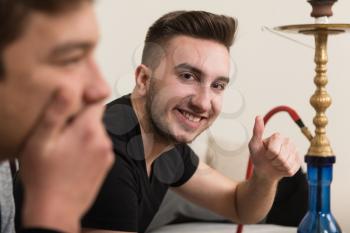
pixel 293 114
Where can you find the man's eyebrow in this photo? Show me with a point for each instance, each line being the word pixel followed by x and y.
pixel 198 72
pixel 71 46
pixel 188 67
pixel 223 79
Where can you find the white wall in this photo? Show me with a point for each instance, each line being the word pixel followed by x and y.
pixel 271 70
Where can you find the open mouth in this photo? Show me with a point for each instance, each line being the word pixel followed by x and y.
pixel 189 116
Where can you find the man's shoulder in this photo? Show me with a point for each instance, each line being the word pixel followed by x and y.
pixel 120 118
pixel 124 100
pixel 183 149
pixel 122 106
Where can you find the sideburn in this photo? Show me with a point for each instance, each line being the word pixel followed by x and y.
pixel 154 126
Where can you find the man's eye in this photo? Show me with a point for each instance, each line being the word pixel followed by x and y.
pixel 70 61
pixel 219 85
pixel 188 76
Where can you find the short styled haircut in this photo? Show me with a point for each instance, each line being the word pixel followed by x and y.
pixel 196 24
pixel 14 15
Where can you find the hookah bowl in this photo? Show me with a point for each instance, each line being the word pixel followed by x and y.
pixel 321 8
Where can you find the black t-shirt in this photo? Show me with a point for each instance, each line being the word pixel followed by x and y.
pixel 129 198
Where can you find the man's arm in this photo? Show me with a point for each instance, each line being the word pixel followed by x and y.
pixel 248 201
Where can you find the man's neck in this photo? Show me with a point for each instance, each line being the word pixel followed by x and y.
pixel 153 144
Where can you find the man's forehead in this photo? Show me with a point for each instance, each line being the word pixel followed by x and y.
pixel 207 55
pixel 73 25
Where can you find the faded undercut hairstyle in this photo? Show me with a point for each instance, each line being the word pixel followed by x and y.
pixel 196 24
pixel 14 15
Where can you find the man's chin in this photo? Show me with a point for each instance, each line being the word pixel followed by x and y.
pixel 187 138
pixel 175 137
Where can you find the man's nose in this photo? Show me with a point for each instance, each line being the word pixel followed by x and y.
pixel 97 88
pixel 201 101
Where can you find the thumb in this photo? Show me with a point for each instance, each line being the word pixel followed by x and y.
pixel 256 143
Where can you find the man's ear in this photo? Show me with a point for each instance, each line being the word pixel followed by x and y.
pixel 142 78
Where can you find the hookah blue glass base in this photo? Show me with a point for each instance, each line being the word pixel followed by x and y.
pixel 319 218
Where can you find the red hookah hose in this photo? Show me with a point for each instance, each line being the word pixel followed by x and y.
pixel 293 114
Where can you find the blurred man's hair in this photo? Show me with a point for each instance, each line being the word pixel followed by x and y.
pixel 15 13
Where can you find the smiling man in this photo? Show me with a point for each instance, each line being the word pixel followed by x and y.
pixel 51 97
pixel 178 94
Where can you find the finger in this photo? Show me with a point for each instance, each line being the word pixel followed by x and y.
pixel 287 152
pixel 92 113
pixel 52 118
pixel 295 166
pixel 274 146
pixel 258 130
pixel 256 142
pixel 291 166
pixel 88 123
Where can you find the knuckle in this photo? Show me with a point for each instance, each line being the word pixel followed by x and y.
pixel 89 133
pixel 101 153
pixel 107 155
pixel 299 161
pixel 276 163
pixel 276 136
pixel 290 157
pixel 252 147
pixel 295 157
pixel 110 158
pixel 283 161
pixel 273 149
pixel 293 151
pixel 288 142
pixel 251 142
pixel 290 172
pixel 103 144
pixel 106 146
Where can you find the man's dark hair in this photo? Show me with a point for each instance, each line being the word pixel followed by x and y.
pixel 196 24
pixel 14 15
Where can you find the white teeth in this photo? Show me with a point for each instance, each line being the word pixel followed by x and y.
pixel 191 117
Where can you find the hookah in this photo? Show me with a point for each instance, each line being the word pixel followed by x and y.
pixel 320 157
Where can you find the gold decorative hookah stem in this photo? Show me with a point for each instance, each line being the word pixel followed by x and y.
pixel 320 100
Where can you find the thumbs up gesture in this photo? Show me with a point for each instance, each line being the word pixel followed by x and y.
pixel 274 157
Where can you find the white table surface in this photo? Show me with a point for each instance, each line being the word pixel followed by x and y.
pixel 222 228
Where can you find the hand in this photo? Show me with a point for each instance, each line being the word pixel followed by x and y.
pixel 274 157
pixel 63 164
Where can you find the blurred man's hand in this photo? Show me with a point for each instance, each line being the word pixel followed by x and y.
pixel 63 164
